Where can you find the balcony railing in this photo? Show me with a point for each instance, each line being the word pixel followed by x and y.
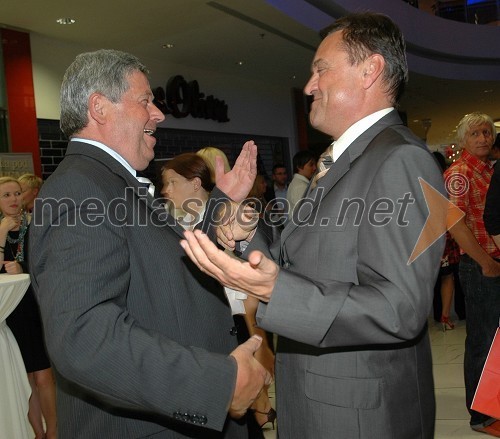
pixel 466 11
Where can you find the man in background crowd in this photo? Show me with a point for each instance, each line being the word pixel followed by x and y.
pixel 304 167
pixel 467 181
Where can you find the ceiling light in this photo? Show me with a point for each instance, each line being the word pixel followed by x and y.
pixel 239 63
pixel 168 46
pixel 65 21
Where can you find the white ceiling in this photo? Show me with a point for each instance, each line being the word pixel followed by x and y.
pixel 217 34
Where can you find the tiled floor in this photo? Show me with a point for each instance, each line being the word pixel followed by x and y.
pixel 452 418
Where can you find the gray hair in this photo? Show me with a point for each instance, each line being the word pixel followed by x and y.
pixel 472 120
pixel 103 71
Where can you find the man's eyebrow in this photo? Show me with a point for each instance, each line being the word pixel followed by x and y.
pixel 317 62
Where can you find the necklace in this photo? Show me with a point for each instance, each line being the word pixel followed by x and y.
pixel 20 239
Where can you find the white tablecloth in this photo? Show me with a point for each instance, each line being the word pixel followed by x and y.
pixel 15 390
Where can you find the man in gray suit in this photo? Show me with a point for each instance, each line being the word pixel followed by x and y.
pixel 350 305
pixel 141 341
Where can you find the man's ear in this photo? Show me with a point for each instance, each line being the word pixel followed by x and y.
pixel 373 67
pixel 97 107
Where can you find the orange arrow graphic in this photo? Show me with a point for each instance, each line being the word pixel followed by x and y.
pixel 443 215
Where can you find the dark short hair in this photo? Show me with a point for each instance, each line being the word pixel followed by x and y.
pixel 277 166
pixel 367 33
pixel 301 159
pixel 191 165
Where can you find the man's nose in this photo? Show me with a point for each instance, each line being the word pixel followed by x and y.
pixel 309 86
pixel 156 114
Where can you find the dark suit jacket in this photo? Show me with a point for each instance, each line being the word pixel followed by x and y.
pixel 354 359
pixel 138 336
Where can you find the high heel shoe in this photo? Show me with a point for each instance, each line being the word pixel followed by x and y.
pixel 447 323
pixel 271 416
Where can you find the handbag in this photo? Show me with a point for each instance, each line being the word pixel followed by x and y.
pixel 487 397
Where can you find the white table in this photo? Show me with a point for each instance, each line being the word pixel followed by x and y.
pixel 15 390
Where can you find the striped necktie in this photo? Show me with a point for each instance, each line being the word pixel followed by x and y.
pixel 147 183
pixel 324 163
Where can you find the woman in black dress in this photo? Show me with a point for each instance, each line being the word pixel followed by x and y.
pixel 24 321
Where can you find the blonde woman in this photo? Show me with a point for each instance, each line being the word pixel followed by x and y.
pixel 30 186
pixel 209 154
pixel 24 321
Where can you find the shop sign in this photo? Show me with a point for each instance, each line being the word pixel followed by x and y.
pixel 181 99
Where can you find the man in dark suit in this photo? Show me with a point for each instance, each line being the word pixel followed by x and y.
pixel 142 342
pixel 348 301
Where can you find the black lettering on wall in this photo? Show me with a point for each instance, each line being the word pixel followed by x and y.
pixel 181 98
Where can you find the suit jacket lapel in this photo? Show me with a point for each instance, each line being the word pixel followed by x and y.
pixel 338 169
pixel 161 216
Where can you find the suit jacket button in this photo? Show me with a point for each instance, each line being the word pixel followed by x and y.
pixel 203 420
pixel 233 330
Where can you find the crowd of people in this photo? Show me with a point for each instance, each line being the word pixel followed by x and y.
pixel 149 338
pixel 16 202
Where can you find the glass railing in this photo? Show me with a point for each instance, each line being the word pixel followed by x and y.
pixel 466 11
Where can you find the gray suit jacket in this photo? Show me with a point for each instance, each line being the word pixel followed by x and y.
pixel 354 358
pixel 138 336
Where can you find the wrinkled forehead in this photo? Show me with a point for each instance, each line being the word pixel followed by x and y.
pixel 332 45
pixel 485 126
